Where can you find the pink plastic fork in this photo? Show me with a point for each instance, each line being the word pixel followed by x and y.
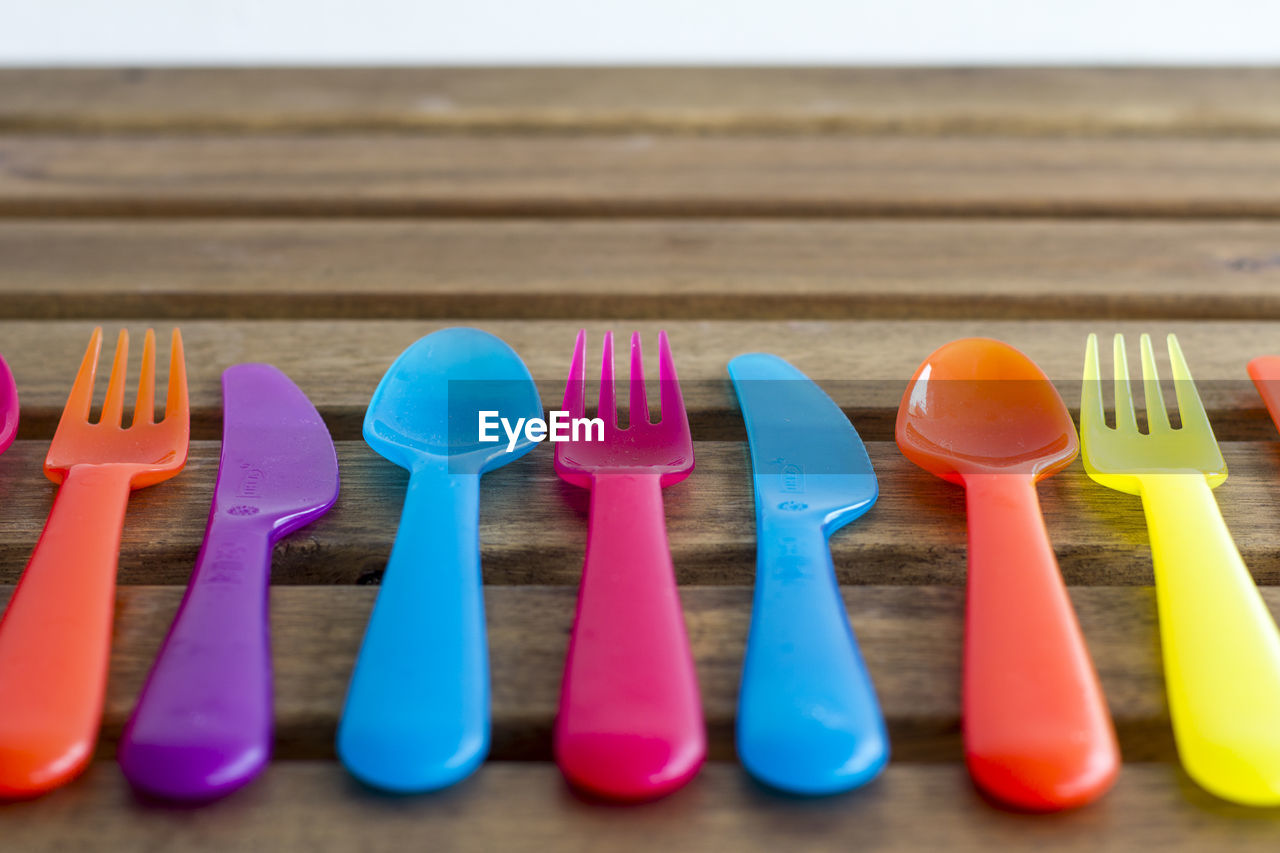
pixel 630 723
pixel 8 407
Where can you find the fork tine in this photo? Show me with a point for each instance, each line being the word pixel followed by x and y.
pixel 176 404
pixel 1126 419
pixel 608 408
pixel 113 407
pixel 144 410
pixel 1190 408
pixel 1091 395
pixel 1157 416
pixel 639 398
pixel 672 400
pixel 575 398
pixel 80 400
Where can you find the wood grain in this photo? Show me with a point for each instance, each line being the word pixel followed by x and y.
pixel 864 365
pixel 693 269
pixel 635 175
pixel 1166 101
pixel 910 638
pixel 533 526
pixel 848 220
pixel 313 806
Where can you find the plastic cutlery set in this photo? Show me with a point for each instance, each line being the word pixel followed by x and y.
pixel 977 413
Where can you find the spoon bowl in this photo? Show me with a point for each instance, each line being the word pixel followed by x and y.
pixel 979 406
pixel 427 405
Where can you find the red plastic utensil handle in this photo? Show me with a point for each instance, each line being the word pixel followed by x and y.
pixel 1036 728
pixel 630 723
pixel 56 635
pixel 1265 372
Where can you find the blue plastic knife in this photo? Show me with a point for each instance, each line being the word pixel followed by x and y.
pixel 808 718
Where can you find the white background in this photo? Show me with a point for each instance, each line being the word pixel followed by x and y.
pixel 391 32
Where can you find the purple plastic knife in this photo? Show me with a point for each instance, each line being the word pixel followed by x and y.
pixel 203 724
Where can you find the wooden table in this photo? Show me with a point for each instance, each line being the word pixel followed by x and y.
pixel 850 221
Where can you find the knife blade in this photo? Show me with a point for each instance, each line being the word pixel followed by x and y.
pixel 808 718
pixel 803 448
pixel 278 461
pixel 203 723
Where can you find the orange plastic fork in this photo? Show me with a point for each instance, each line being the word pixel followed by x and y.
pixel 55 637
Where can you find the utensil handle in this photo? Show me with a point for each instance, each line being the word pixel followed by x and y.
pixel 1220 645
pixel 202 726
pixel 808 718
pixel 1265 372
pixel 1036 727
pixel 55 637
pixel 630 723
pixel 417 710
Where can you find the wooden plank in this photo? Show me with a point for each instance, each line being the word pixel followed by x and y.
pixel 820 269
pixel 864 365
pixel 792 100
pixel 561 144
pixel 313 806
pixel 911 639
pixel 533 526
pixel 635 175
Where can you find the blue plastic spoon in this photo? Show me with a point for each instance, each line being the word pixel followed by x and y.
pixel 808 719
pixel 417 711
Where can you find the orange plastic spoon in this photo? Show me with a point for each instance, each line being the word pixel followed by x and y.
pixel 1036 728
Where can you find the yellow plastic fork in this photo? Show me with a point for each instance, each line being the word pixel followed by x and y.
pixel 1220 645
pixel 56 634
